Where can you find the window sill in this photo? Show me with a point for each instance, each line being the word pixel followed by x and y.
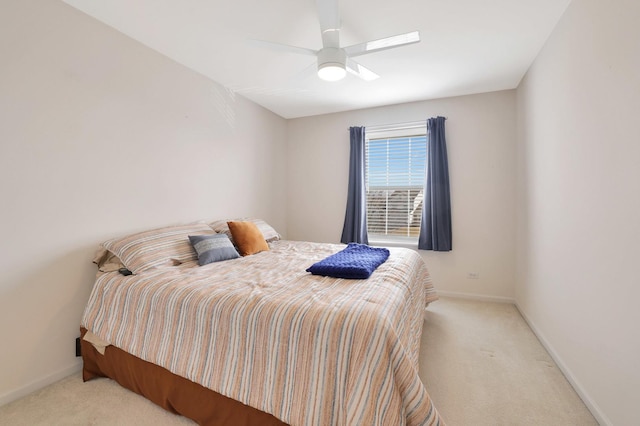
pixel 392 242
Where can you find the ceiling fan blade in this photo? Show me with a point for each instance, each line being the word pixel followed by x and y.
pixel 329 17
pixel 328 14
pixel 282 47
pixel 364 73
pixel 383 44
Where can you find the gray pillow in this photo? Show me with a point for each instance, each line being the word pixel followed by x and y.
pixel 213 248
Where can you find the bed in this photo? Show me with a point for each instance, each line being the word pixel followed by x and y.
pixel 255 339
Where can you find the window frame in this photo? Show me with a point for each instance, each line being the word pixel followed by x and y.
pixel 409 130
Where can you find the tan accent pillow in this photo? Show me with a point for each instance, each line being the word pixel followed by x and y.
pixel 107 261
pixel 247 238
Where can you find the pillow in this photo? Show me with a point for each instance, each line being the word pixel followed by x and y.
pixel 166 246
pixel 269 234
pixel 213 248
pixel 247 238
pixel 107 261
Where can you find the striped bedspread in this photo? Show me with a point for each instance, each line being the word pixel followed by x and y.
pixel 311 350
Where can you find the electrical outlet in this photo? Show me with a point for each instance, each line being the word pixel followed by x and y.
pixel 473 275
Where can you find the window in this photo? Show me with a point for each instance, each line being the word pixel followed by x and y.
pixel 395 161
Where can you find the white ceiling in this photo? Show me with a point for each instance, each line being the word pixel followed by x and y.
pixel 468 46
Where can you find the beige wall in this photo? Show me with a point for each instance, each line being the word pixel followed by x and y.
pixel 579 203
pixel 481 133
pixel 100 136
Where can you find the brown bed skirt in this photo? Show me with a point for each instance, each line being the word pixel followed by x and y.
pixel 173 393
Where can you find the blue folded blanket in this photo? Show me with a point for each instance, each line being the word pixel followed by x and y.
pixel 357 261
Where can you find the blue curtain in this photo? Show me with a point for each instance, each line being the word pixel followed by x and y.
pixel 355 219
pixel 435 227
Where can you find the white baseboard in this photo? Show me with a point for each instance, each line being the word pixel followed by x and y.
pixel 40 383
pixel 473 296
pixel 591 405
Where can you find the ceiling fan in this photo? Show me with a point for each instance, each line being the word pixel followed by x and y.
pixel 334 61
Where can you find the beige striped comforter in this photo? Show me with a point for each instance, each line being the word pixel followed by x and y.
pixel 310 350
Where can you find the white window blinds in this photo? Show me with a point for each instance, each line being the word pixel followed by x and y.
pixel 395 173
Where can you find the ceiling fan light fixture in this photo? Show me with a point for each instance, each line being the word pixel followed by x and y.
pixel 332 64
pixel 331 71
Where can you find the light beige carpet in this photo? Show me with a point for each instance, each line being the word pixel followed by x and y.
pixel 481 364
